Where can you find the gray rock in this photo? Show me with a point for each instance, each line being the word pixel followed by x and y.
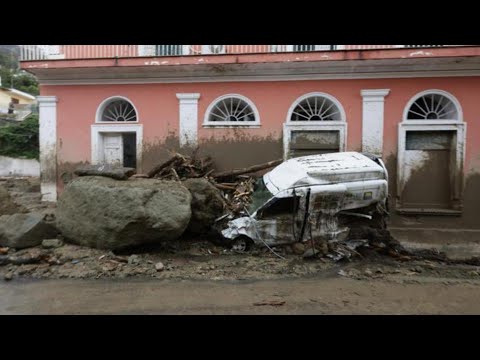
pixel 24 230
pixel 159 266
pixel 134 259
pixel 109 214
pixel 310 252
pixel 207 205
pixel 111 171
pixel 8 276
pixel 298 248
pixel 52 243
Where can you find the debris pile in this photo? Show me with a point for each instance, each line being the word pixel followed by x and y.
pixel 235 185
pixel 181 167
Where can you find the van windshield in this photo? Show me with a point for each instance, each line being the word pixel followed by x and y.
pixel 260 196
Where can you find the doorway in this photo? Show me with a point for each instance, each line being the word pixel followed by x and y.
pixel 120 149
pixel 430 156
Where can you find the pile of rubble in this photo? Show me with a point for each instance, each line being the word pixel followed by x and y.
pixel 236 186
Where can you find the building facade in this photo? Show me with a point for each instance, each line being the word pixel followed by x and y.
pixel 416 106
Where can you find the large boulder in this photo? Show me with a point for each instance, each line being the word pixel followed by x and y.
pixel 207 205
pixel 109 214
pixel 25 230
pixel 107 170
pixel 7 206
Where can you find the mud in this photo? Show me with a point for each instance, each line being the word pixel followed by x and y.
pixel 156 152
pixel 66 173
pixel 202 260
pixel 237 150
pixel 25 192
pixel 470 199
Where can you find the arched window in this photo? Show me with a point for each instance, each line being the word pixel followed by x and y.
pixel 232 110
pixel 433 105
pixel 117 109
pixel 316 107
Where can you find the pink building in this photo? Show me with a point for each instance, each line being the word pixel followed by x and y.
pixel 416 106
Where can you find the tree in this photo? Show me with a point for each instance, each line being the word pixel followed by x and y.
pixel 20 140
pixel 12 77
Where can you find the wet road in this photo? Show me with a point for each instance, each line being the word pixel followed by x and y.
pixel 307 296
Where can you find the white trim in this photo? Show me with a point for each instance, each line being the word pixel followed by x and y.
pixel 188 118
pixel 372 120
pixel 449 96
pixel 103 105
pixel 312 94
pixel 97 142
pixel 48 146
pixel 254 78
pixel 228 124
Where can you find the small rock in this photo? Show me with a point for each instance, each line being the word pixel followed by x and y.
pixel 109 266
pixel 134 259
pixel 323 248
pixel 212 267
pixel 368 272
pixel 159 266
pixel 4 250
pixel 417 269
pixel 52 243
pixel 379 271
pixel 298 248
pixel 342 273
pixel 53 261
pixel 310 252
pixel 8 276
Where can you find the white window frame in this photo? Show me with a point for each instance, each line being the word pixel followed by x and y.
pixel 231 124
pixel 105 103
pixel 456 125
pixel 449 96
pixel 340 125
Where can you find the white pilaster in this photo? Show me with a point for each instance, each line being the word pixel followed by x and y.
pixel 48 146
pixel 372 120
pixel 188 109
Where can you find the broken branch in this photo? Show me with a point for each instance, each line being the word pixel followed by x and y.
pixel 248 170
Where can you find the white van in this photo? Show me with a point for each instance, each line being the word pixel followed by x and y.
pixel 312 197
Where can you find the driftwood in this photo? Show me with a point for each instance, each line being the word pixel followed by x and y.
pixel 248 170
pixel 164 165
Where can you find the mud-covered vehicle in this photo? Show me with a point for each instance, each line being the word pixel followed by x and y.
pixel 319 197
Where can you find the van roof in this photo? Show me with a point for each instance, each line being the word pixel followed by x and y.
pixel 323 169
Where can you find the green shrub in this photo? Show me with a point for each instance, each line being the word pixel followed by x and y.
pixel 20 141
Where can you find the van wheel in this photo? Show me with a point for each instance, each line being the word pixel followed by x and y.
pixel 241 244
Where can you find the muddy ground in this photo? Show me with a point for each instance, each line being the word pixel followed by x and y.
pixel 200 259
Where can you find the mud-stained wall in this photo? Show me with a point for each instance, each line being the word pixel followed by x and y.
pixel 158 112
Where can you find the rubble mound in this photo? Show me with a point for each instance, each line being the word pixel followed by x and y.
pixel 105 213
pixel 7 206
pixel 207 205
